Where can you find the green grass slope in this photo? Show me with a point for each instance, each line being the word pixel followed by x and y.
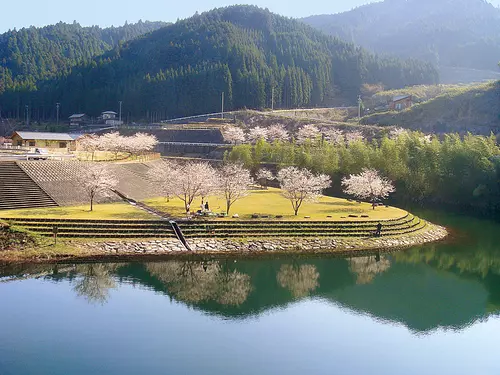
pixel 474 109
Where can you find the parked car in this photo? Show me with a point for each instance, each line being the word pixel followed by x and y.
pixel 39 154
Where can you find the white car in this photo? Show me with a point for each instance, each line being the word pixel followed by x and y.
pixel 39 154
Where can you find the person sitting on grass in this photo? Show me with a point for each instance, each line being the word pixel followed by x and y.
pixel 378 232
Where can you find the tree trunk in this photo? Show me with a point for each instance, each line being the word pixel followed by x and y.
pixel 91 204
pixel 228 206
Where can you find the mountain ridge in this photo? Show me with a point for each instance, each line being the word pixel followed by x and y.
pixel 29 55
pixel 447 33
pixel 249 53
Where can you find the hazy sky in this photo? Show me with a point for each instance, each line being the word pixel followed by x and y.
pixel 116 12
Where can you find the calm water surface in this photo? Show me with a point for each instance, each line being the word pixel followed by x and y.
pixel 429 310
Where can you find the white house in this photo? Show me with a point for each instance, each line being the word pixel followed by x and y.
pixel 109 115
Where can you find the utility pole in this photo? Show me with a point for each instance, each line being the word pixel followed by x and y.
pixel 272 98
pixel 57 109
pixel 359 109
pixel 222 112
pixel 27 117
pixel 120 118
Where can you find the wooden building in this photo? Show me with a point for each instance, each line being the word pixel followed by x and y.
pixel 57 141
pixel 78 120
pixel 401 102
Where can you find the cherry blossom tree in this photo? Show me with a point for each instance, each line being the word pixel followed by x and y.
pixel 141 143
pixel 160 174
pixel 184 180
pixel 112 142
pixel 234 183
pixel 277 132
pixel 257 133
pixel 97 180
pixel 89 144
pixel 307 132
pixel 234 135
pixel 368 185
pixel 300 185
pixel 334 136
pixel 354 136
pixel 397 132
pixel 264 175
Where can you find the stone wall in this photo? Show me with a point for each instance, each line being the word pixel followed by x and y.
pixel 431 233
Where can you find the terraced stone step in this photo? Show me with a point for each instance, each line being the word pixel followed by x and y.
pixel 18 190
pixel 105 236
pixel 82 230
pixel 92 226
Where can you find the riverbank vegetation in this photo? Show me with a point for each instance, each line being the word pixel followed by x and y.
pixel 461 172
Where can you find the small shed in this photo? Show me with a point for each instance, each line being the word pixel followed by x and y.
pixel 44 140
pixel 400 102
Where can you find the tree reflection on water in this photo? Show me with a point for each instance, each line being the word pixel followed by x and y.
pixel 301 280
pixel 94 281
pixel 366 268
pixel 197 282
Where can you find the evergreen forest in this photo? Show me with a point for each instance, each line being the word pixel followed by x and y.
pixel 257 58
pixel 30 55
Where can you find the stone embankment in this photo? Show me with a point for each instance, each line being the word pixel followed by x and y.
pixel 432 233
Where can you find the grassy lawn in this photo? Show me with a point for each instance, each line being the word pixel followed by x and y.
pixel 111 211
pixel 272 203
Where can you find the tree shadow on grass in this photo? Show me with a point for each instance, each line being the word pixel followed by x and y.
pixel 131 216
pixel 341 204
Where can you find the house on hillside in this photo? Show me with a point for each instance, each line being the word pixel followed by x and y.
pixel 78 120
pixel 398 103
pixel 59 141
pixel 108 115
pixel 109 118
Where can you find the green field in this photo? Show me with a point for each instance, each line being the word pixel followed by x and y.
pixel 271 203
pixel 261 202
pixel 110 211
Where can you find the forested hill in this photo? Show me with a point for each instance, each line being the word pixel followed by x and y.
pixel 448 33
pixel 244 51
pixel 32 54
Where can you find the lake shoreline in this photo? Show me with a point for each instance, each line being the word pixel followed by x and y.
pixel 164 249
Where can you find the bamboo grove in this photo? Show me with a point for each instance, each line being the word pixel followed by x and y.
pixel 453 171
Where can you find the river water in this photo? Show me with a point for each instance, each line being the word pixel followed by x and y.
pixel 428 310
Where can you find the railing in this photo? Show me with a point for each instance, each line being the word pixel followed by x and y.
pixel 180 236
pixel 196 144
pixel 12 147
